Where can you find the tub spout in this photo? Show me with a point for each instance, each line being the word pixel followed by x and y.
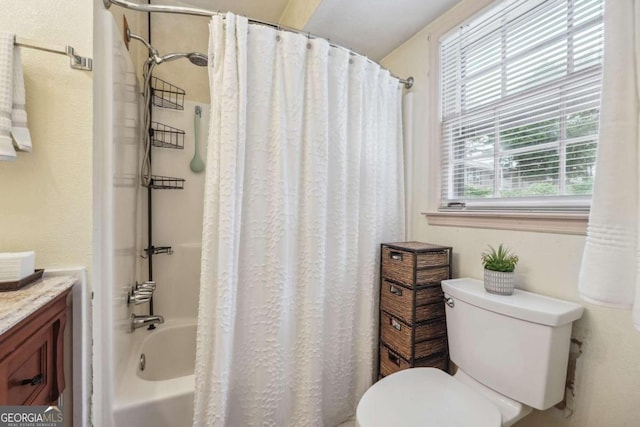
pixel 142 321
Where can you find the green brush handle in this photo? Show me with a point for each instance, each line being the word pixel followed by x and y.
pixel 196 165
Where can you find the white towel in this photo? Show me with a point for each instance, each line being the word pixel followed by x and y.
pixel 6 95
pixel 19 130
pixel 610 272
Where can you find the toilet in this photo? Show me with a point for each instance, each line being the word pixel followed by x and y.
pixel 511 353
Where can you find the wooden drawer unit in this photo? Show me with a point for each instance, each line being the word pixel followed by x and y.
pixel 412 317
pixel 31 357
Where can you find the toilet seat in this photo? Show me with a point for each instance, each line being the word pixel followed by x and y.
pixel 425 397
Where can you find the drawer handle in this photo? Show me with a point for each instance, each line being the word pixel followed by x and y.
pixel 395 290
pixel 393 322
pixel 393 358
pixel 32 381
pixel 396 256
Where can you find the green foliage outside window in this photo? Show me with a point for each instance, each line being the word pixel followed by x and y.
pixel 533 173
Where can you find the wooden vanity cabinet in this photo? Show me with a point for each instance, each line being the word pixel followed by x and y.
pixel 31 357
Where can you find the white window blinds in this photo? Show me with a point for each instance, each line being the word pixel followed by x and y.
pixel 520 98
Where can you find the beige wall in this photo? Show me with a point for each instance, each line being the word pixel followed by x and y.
pixel 298 13
pixel 182 33
pixel 45 196
pixel 179 33
pixel 606 392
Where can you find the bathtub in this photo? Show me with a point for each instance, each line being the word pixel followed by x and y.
pixel 161 394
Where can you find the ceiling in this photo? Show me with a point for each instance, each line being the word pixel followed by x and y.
pixel 374 27
pixel 263 10
pixel 371 27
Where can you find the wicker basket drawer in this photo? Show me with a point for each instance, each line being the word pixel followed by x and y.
pixel 432 275
pixel 430 347
pixel 430 295
pixel 391 362
pixel 429 311
pixel 398 301
pixel 398 336
pixel 400 266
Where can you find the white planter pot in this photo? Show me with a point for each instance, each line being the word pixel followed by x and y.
pixel 499 282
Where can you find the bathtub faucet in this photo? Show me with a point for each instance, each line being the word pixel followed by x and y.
pixel 142 321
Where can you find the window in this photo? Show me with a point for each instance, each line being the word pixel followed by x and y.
pixel 520 98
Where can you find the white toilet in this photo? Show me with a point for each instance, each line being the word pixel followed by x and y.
pixel 511 353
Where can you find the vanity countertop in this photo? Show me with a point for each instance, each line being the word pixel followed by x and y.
pixel 16 306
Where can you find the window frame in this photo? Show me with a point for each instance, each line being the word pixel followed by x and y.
pixel 556 221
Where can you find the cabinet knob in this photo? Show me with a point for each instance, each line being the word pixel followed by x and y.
pixel 32 381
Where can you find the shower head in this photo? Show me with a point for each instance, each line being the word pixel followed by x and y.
pixel 196 58
pixel 199 59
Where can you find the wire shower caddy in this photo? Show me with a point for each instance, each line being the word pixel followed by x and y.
pixel 166 95
pixel 164 136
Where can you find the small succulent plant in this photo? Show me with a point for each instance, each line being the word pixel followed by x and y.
pixel 499 260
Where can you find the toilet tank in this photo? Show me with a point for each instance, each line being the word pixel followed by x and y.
pixel 517 345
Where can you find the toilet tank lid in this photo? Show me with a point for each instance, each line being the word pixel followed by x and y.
pixel 521 305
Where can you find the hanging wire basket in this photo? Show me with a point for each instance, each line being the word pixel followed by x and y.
pixel 165 136
pixel 166 95
pixel 159 182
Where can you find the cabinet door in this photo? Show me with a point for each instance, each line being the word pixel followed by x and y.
pixel 26 374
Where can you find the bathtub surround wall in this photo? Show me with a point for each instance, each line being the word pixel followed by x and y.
pixel 116 184
pixel 163 393
pixel 124 398
pixel 138 25
pixel 606 376
pixel 177 215
pixel 304 181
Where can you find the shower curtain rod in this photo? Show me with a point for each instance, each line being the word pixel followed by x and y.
pixel 408 82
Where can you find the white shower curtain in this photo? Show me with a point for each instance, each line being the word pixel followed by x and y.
pixel 304 181
pixel 611 263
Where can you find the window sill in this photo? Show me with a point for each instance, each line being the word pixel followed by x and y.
pixel 558 223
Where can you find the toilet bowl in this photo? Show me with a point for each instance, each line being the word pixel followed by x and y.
pixel 511 353
pixel 430 397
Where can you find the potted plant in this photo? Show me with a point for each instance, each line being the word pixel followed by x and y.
pixel 499 265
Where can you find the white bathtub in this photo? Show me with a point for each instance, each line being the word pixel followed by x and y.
pixel 162 394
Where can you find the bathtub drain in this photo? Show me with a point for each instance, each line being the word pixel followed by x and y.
pixel 143 362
